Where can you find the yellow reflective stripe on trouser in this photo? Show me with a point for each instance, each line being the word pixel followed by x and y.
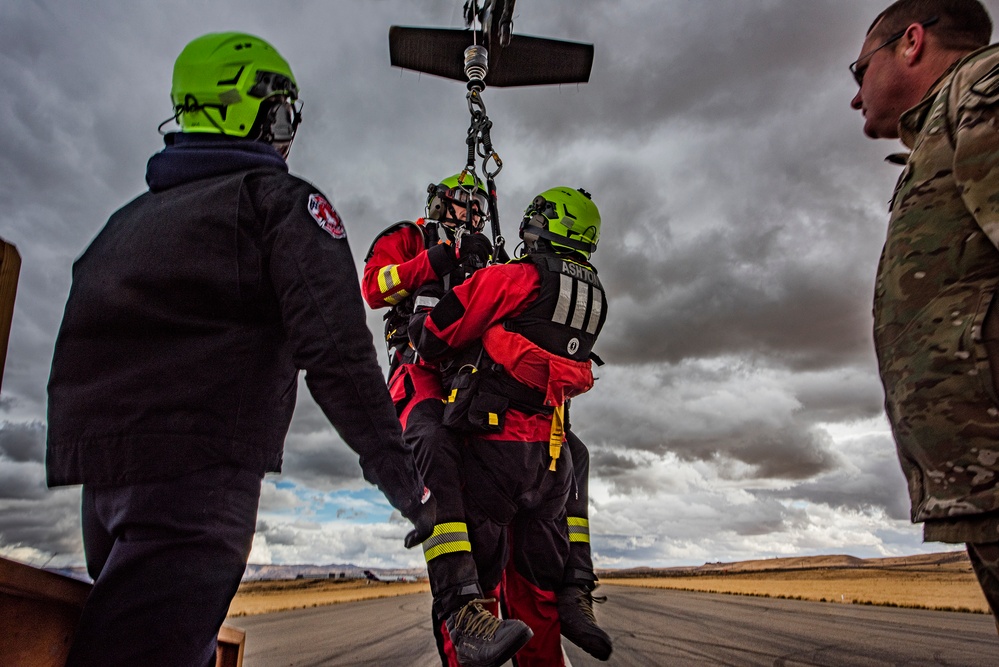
pixel 579 529
pixel 447 538
pixel 557 435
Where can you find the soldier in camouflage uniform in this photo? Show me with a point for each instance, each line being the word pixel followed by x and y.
pixel 928 77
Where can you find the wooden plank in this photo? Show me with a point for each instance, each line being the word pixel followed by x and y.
pixel 30 582
pixel 10 268
pixel 232 643
pixel 39 612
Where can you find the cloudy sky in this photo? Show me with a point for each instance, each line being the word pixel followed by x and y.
pixel 739 414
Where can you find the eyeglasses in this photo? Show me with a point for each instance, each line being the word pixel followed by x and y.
pixel 858 72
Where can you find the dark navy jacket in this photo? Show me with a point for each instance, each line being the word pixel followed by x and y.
pixel 189 317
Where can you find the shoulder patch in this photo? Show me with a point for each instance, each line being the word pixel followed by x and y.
pixel 326 216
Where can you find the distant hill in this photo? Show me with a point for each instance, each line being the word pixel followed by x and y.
pixel 271 572
pixel 332 571
pixel 951 560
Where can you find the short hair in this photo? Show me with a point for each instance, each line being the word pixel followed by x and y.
pixel 963 25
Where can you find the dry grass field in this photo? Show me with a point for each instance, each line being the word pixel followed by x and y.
pixel 261 597
pixel 939 581
pixel 933 581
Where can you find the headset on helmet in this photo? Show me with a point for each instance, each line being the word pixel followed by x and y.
pixel 565 218
pixel 446 197
pixel 238 85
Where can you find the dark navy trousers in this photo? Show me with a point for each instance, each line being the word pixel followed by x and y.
pixel 166 558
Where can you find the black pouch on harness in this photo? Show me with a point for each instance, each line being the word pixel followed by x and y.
pixel 469 409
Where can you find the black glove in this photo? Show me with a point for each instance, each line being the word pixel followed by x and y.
pixel 424 517
pixel 442 259
pixel 474 250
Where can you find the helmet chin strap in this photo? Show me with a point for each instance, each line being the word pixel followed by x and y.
pixel 535 232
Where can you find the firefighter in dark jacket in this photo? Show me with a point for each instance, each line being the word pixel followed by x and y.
pixel 514 342
pixel 441 249
pixel 175 369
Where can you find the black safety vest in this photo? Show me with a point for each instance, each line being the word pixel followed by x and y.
pixel 565 319
pixel 570 309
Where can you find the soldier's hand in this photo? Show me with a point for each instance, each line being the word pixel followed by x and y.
pixel 423 517
pixel 474 250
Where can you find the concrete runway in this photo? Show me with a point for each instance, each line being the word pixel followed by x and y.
pixel 649 627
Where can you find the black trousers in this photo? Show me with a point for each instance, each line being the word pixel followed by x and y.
pixel 579 565
pixel 510 492
pixel 166 558
pixel 450 567
pixel 515 506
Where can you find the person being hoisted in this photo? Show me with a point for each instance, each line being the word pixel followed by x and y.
pixel 440 249
pixel 514 342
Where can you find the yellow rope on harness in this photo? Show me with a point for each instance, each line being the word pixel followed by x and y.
pixel 557 436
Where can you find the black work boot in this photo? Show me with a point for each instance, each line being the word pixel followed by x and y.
pixel 482 640
pixel 579 625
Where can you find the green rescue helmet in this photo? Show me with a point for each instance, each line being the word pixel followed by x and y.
pixel 452 194
pixel 233 83
pixel 565 218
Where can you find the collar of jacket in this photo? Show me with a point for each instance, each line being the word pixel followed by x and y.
pixel 191 157
pixel 910 124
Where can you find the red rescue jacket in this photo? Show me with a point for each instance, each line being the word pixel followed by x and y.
pixel 498 306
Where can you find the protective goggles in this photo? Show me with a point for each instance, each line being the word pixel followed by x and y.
pixel 461 196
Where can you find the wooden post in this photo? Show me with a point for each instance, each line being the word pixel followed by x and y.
pixel 39 612
pixel 10 268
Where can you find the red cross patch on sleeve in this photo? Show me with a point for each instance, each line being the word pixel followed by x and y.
pixel 326 216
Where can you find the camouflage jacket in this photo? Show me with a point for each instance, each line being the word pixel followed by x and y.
pixel 936 280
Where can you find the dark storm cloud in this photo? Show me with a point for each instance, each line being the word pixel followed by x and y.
pixel 314 454
pixel 744 423
pixel 705 63
pixel 759 297
pixel 868 482
pixel 788 451
pixel 22 481
pixel 277 535
pixel 50 526
pixel 22 443
pixel 846 394
pixel 612 464
pixel 321 464
pixel 731 524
